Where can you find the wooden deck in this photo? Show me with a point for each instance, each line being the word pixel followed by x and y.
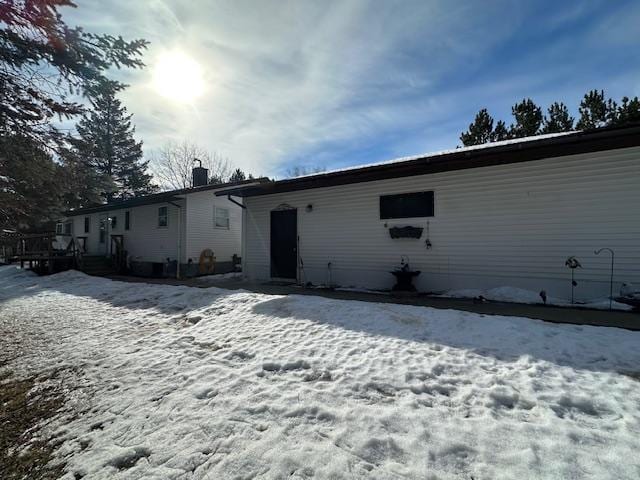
pixel 37 250
pixel 41 253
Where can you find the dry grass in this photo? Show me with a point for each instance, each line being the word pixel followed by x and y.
pixel 23 454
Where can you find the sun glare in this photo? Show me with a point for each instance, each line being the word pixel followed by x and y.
pixel 178 77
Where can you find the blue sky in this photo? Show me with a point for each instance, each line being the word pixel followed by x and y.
pixel 340 83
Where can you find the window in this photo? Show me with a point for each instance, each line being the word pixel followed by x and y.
pixel 114 222
pixel 67 228
pixel 59 228
pixel 103 229
pixel 407 205
pixel 127 220
pixel 87 223
pixel 163 219
pixel 221 219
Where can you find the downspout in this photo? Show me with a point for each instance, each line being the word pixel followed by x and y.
pixel 236 202
pixel 243 243
pixel 179 238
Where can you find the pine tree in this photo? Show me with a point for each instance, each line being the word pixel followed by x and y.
pixel 528 118
pixel 479 131
pixel 83 185
pixel 45 64
pixel 595 111
pixel 237 176
pixel 557 119
pixel 30 187
pixel 627 112
pixel 501 132
pixel 107 143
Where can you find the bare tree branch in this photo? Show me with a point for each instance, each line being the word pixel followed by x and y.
pixel 173 163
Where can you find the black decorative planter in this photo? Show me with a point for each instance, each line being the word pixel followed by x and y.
pixel 405 232
pixel 404 280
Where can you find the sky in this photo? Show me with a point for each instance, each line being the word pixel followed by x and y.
pixel 341 83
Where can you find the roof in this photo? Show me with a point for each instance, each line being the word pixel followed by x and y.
pixel 497 153
pixel 162 197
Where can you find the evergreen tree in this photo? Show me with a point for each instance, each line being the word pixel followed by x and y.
pixel 479 131
pixel 45 65
pixel 30 187
pixel 237 176
pixel 107 143
pixel 528 119
pixel 501 132
pixel 557 119
pixel 83 185
pixel 594 110
pixel 627 112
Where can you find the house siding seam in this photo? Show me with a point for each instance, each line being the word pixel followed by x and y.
pixel 511 224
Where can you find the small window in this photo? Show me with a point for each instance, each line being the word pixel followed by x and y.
pixel 221 219
pixel 103 229
pixel 87 224
pixel 127 220
pixel 114 222
pixel 163 220
pixel 59 228
pixel 407 205
pixel 67 228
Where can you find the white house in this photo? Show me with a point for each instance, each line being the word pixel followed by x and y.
pixel 502 214
pixel 166 231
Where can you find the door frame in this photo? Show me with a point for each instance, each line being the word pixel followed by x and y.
pixel 283 208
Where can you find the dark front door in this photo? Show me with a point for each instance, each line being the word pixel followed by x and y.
pixel 284 251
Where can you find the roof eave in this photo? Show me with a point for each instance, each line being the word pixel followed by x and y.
pixel 571 144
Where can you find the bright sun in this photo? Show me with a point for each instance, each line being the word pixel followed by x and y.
pixel 178 77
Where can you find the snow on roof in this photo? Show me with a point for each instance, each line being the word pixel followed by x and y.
pixel 440 153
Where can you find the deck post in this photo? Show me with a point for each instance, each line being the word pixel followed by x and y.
pixel 50 251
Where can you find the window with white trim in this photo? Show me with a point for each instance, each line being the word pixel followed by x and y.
pixel 221 218
pixel 163 217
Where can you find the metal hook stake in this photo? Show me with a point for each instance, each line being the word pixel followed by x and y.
pixel 598 252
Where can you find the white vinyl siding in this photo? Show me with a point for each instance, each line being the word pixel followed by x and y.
pixel 202 231
pixel 509 225
pixel 144 242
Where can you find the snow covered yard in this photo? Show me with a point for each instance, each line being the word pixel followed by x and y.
pixel 179 382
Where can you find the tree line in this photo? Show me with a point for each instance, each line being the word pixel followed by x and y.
pixel 595 111
pixel 52 75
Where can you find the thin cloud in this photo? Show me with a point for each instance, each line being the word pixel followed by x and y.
pixel 339 82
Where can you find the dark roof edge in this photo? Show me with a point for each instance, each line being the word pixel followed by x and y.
pixel 161 197
pixel 602 139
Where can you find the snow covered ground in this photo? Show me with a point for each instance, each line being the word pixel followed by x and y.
pixel 179 382
pixel 520 295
